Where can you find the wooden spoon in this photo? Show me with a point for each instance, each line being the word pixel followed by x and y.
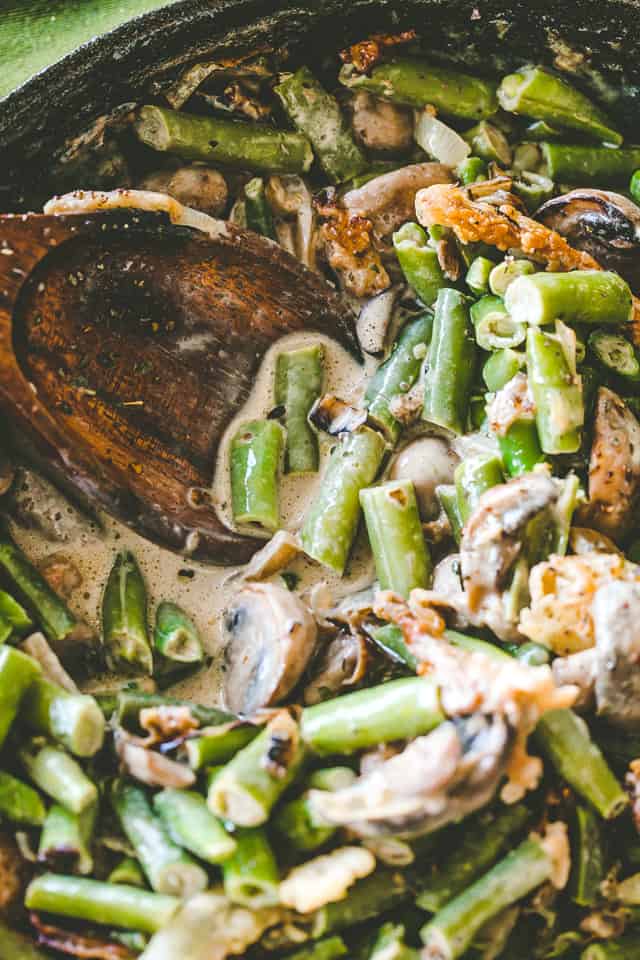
pixel 127 344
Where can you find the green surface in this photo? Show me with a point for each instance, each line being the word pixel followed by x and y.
pixel 36 33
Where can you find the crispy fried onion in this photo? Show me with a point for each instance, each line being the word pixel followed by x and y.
pixel 350 251
pixel 562 592
pixel 148 766
pixel 367 53
pixel 284 740
pixel 511 404
pixel 472 681
pixel 76 944
pixel 167 722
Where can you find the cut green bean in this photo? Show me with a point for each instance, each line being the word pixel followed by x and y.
pixel 167 868
pixel 489 143
pixel 14 614
pixel 131 702
pixel 176 635
pixel 453 928
pixel 317 115
pixel 296 821
pixel 18 672
pixel 587 858
pixel 451 363
pixel 298 384
pixel 328 949
pixel 257 209
pixel 250 874
pixel 375 894
pixel 418 261
pixel 390 640
pixel 594 297
pixel 73 719
pixel 471 170
pixel 600 166
pixel 20 803
pixel 448 498
pixel 15 946
pixel 250 146
pixel 520 447
pixel 477 846
pixel 416 83
pixel 626 947
pixel 65 841
pixel 97 902
pixel 124 618
pixel 473 477
pixel 48 609
pixel 331 522
pixel 634 186
pixel 256 451
pixel 557 393
pixel 129 872
pixel 398 374
pixel 477 278
pixel 541 95
pixel 565 739
pixel 191 825
pixel 397 710
pixel 250 785
pixel 534 189
pixel 395 533
pixel 541 130
pixel 494 328
pixel 218 746
pixel 59 775
pixel 504 274
pixel 501 367
pixel 615 353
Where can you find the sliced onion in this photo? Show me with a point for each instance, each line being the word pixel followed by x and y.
pixel 439 140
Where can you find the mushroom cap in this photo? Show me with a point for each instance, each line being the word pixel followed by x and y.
pixel 428 462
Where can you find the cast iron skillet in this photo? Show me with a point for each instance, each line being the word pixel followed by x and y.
pixel 598 41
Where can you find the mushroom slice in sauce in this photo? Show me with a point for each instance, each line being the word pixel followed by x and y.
pixel 428 462
pixel 200 187
pixel 270 636
pixel 616 617
pixel 614 466
pixel 436 779
pixel 380 125
pixel 342 664
pixel 602 223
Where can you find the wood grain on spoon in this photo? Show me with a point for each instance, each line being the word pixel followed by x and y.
pixel 128 343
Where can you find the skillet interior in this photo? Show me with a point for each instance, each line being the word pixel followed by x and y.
pixel 598 42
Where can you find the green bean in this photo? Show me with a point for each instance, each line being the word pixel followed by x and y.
pixel 494 328
pixel 615 353
pixel 250 146
pixel 256 451
pixel 587 858
pixel 391 641
pixel 6 629
pixel 218 746
pixel 418 261
pixel 14 614
pixel 477 278
pixel 541 130
pixel 167 868
pixel 191 825
pixel 451 363
pixel 473 477
pixel 176 635
pixel 565 740
pixel 15 946
pixel 600 166
pixel 533 188
pixel 533 654
pixel 557 393
pixel 541 95
pixel 395 533
pixel 250 785
pixel 489 143
pixel 48 609
pixel 257 209
pixel 58 775
pixel 298 384
pixel 390 945
pixel 73 719
pixel 250 874
pixel 131 702
pixel 477 846
pixel 296 821
pixel 331 522
pixel 17 674
pixel 416 83
pixel 375 894
pixel 65 840
pixel 504 274
pixel 103 903
pixel 129 872
pixel 397 710
pixel 20 803
pixel 626 947
pixel 453 928
pixel 328 949
pixel 448 498
pixel 634 186
pixel 124 617
pixel 317 114
pixel 594 297
pixel 398 374
pixel 520 446
pixel 501 367
pixel 471 170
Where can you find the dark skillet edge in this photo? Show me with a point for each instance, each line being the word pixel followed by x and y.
pixel 114 69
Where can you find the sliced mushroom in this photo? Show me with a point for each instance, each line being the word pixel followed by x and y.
pixel 436 779
pixel 342 664
pixel 334 416
pixel 380 125
pixel 602 223
pixel 270 636
pixel 616 617
pixel 291 202
pixel 375 319
pixel 202 188
pixel 36 504
pixel 428 462
pixel 388 201
pixel 151 767
pixel 65 941
pixel 36 646
pixel 614 467
pixel 492 541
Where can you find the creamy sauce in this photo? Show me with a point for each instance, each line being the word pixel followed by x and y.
pixel 204 591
